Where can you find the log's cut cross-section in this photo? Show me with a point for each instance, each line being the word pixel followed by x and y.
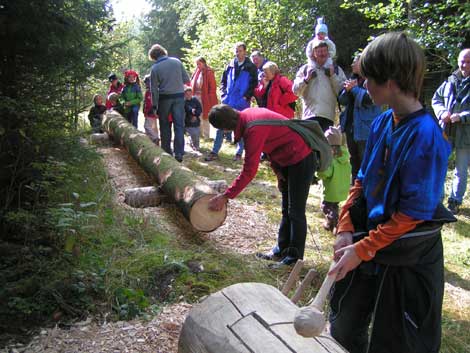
pixel 247 318
pixel 179 183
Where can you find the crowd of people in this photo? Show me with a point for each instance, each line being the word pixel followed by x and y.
pixel 390 170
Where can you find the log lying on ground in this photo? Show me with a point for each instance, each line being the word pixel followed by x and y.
pixel 218 185
pixel 99 139
pixel 179 183
pixel 148 196
pixel 248 317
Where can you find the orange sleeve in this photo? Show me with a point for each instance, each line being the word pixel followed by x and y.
pixel 384 235
pixel 344 221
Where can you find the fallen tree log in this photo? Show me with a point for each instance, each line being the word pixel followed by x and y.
pixel 179 183
pixel 148 196
pixel 245 318
pixel 99 139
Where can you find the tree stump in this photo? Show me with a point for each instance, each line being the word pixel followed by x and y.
pixel 179 183
pixel 247 318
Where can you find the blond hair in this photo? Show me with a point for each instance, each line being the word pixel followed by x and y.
pixel 272 67
pixel 395 56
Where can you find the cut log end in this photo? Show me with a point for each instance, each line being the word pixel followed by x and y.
pixel 100 139
pixel 203 219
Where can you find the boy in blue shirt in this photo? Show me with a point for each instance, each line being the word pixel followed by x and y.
pixel 388 248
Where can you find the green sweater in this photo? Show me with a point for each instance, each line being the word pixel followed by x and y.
pixel 336 179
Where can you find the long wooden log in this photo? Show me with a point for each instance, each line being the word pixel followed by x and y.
pixel 248 317
pixel 179 183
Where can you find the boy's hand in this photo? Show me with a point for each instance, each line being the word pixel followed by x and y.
pixel 193 119
pixel 348 261
pixel 128 104
pixel 343 239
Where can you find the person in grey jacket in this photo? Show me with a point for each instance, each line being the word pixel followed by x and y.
pixel 319 86
pixel 451 104
pixel 167 79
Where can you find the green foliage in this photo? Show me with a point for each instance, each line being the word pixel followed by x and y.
pixel 442 27
pixel 279 29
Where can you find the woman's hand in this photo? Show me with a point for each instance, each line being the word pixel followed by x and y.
pixel 218 202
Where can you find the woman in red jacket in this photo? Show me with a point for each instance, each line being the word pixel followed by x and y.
pixel 274 91
pixel 204 89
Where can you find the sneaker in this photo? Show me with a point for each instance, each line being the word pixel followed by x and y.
pixel 237 157
pixel 179 159
pixel 288 261
pixel 211 157
pixel 270 256
pixel 453 207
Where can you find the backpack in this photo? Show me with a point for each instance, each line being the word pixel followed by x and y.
pixel 311 133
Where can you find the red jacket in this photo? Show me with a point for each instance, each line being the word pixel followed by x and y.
pixel 283 146
pixel 280 95
pixel 209 89
pixel 112 89
pixel 148 106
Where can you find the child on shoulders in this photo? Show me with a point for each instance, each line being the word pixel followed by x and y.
pixel 321 33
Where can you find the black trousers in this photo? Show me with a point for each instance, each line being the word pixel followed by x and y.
pixel 293 228
pixel 398 294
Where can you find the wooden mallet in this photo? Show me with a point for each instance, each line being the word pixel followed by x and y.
pixel 309 321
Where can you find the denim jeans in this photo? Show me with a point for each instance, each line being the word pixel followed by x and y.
pixel 219 139
pixel 175 106
pixel 133 116
pixel 240 147
pixel 459 183
pixel 293 228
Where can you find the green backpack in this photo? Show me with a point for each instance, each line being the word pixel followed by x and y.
pixel 310 131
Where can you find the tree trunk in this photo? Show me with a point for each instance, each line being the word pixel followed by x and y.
pixel 99 139
pixel 179 183
pixel 248 317
pixel 149 196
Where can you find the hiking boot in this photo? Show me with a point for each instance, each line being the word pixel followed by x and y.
pixel 211 157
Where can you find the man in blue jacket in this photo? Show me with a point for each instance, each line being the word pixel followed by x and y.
pixel 167 80
pixel 236 89
pixel 451 104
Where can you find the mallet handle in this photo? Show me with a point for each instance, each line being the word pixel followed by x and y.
pixel 319 300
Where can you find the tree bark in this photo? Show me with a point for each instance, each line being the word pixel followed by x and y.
pixel 148 196
pixel 179 183
pixel 99 139
pixel 248 317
